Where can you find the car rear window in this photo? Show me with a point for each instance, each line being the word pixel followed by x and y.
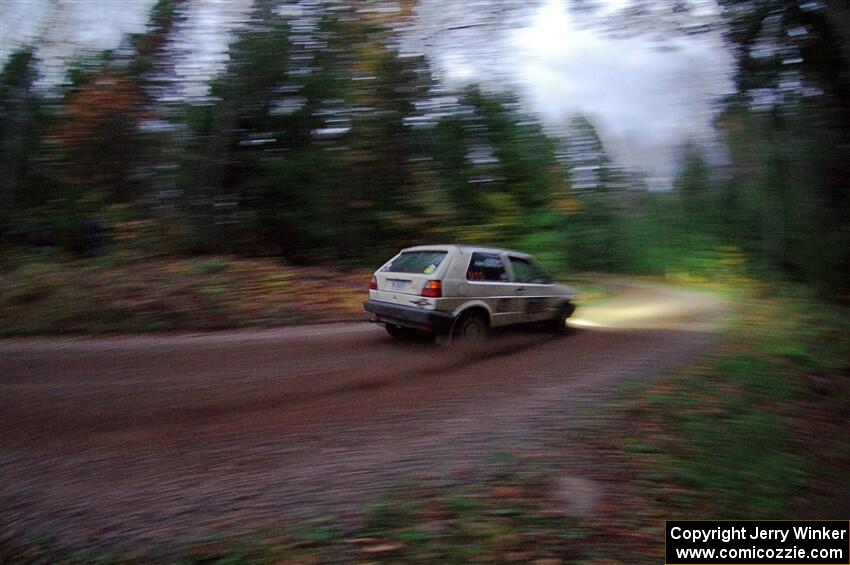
pixel 419 262
pixel 486 267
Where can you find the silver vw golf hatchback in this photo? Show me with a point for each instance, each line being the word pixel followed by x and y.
pixel 461 291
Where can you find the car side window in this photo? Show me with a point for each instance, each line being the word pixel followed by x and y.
pixel 486 267
pixel 527 272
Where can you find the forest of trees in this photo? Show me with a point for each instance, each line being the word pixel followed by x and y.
pixel 323 144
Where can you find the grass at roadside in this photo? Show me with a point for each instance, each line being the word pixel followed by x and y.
pixel 48 296
pixel 757 429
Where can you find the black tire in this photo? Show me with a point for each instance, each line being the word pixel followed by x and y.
pixel 558 325
pixel 400 332
pixel 471 328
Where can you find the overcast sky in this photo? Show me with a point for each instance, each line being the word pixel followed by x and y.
pixel 648 92
pixel 646 96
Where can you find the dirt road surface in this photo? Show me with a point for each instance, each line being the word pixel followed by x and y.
pixel 118 442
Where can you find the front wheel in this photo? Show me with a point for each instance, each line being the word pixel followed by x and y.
pixel 558 325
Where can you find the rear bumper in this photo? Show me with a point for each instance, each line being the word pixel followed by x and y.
pixel 409 316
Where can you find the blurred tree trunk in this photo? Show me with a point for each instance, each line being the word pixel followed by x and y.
pixel 15 122
pixel 15 109
pixel 838 12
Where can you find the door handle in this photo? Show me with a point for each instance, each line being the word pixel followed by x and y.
pixel 520 290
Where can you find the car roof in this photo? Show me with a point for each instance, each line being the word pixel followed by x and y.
pixel 466 247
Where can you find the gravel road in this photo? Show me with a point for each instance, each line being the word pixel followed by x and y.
pixel 117 442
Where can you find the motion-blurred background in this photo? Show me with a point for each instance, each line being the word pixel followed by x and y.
pixel 640 136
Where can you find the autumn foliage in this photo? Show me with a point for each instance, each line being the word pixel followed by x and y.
pixel 99 132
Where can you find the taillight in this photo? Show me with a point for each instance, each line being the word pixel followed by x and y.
pixel 432 289
pixel 373 285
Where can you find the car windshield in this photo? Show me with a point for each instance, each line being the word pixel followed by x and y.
pixel 419 262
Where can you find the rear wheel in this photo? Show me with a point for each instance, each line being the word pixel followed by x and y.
pixel 471 328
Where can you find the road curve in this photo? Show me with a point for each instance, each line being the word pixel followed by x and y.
pixel 122 441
